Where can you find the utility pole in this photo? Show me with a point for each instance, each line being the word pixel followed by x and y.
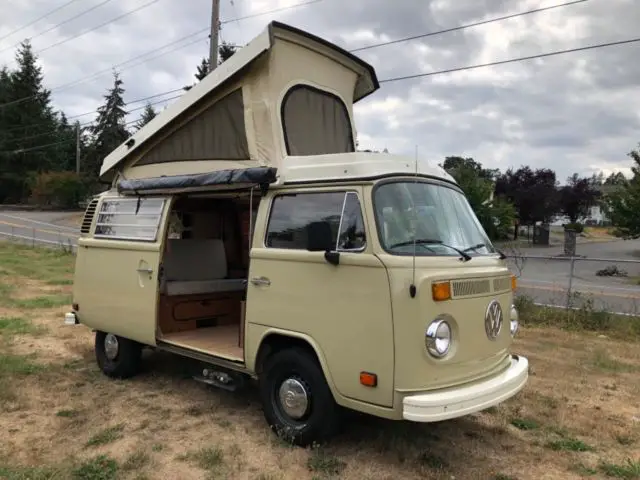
pixel 215 29
pixel 78 148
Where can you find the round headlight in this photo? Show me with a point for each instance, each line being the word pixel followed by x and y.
pixel 438 338
pixel 515 320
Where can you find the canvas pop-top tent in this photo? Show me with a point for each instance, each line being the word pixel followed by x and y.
pixel 286 94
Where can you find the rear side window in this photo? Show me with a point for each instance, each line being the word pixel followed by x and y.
pixel 292 213
pixel 129 219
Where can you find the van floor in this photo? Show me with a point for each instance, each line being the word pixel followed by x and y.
pixel 220 341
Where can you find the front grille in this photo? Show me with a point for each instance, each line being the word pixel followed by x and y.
pixel 466 288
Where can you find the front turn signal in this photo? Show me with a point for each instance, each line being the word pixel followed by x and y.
pixel 514 282
pixel 441 291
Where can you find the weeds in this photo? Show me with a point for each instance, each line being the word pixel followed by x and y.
pixel 525 423
pixel 136 461
pixel 628 471
pixel 101 467
pixel 569 444
pixel 210 459
pixel 18 326
pixel 585 318
pixel 321 462
pixel 108 435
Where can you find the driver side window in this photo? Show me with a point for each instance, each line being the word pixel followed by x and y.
pixel 292 213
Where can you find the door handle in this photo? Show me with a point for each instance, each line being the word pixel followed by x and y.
pixel 145 270
pixel 261 281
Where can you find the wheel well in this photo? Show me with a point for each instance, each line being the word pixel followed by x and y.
pixel 276 342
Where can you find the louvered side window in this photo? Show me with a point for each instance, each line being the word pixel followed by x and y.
pixel 88 216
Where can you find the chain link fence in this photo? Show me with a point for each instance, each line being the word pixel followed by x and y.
pixel 44 235
pixel 598 284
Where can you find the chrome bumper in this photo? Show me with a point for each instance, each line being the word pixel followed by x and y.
pixel 463 400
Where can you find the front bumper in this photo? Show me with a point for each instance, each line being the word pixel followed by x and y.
pixel 459 401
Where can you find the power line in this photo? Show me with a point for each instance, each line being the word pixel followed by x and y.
pixel 438 72
pixel 95 75
pixel 110 69
pixel 50 12
pixel 53 132
pixel 84 12
pixel 468 25
pixel 511 60
pixel 8 130
pixel 130 12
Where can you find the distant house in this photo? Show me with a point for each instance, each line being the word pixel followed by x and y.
pixel 597 214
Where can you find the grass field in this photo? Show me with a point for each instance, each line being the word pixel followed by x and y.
pixel 60 418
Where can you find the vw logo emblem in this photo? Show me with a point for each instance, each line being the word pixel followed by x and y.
pixel 493 320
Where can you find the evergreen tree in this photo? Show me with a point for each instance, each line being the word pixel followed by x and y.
pixel 202 71
pixel 225 52
pixel 29 141
pixel 147 115
pixel 109 129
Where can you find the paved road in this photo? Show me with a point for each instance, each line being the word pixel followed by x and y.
pixel 40 226
pixel 547 281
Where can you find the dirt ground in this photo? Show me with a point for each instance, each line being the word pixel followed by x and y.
pixel 579 417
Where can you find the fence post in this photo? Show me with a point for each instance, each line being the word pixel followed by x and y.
pixel 573 263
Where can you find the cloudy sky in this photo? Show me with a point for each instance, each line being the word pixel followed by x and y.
pixel 578 112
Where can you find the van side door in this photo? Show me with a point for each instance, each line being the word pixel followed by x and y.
pixel 344 309
pixel 116 277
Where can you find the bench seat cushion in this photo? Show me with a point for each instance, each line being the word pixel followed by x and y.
pixel 190 287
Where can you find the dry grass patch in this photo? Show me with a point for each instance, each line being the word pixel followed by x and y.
pixel 578 417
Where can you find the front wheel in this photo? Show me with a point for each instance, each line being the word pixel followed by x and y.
pixel 297 402
pixel 117 357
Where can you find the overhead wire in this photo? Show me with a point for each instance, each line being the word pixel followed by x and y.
pixel 84 12
pixel 407 77
pixel 81 125
pixel 101 72
pixel 450 70
pixel 33 22
pixel 468 25
pixel 511 60
pixel 126 14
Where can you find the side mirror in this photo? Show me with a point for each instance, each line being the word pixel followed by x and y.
pixel 320 239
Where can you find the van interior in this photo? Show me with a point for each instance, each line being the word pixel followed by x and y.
pixel 204 273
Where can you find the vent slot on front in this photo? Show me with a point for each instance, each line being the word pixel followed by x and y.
pixel 465 288
pixel 88 216
pixel 502 284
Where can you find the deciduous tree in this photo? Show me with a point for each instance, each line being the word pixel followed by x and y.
pixel 623 205
pixel 577 197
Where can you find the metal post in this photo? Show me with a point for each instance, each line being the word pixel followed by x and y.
pixel 33 237
pixel 573 263
pixel 215 28
pixel 78 148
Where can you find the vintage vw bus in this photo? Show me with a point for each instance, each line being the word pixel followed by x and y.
pixel 243 230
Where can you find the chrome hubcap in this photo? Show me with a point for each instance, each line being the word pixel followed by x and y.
pixel 294 398
pixel 111 346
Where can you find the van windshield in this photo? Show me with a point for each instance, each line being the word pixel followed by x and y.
pixel 440 216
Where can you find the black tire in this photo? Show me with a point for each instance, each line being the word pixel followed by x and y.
pixel 127 362
pixel 322 419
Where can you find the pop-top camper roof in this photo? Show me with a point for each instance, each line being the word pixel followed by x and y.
pixel 287 93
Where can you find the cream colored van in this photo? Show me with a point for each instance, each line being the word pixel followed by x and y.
pixel 243 230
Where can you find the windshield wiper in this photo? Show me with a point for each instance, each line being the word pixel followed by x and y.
pixel 480 245
pixel 475 247
pixel 423 241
